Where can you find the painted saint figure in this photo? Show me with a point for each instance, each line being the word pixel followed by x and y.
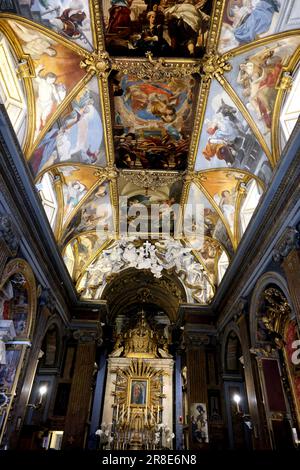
pixel 138 393
pixel 49 95
pixel 256 21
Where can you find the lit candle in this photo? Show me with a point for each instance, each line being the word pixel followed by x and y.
pixel 237 399
pixel 158 414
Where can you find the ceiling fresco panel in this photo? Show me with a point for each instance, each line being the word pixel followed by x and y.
pixel 255 76
pixel 166 28
pixel 76 137
pixel 57 71
pixel 223 187
pixel 75 182
pixel 244 21
pixel 208 216
pixel 69 18
pixel 94 214
pixel 210 252
pixel 152 121
pixel 155 212
pixel 80 250
pixel 227 141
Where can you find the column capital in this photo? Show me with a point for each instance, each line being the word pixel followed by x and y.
pixel 289 241
pixel 85 335
pixel 196 339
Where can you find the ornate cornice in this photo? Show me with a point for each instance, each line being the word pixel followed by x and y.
pixel 195 339
pixel 151 179
pixel 89 336
pixel 289 241
pixel 156 69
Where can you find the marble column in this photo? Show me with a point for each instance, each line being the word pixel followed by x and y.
pixel 287 252
pixel 76 424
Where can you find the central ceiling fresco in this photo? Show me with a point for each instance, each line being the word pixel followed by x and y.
pixel 132 112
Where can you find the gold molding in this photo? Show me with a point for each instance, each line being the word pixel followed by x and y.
pixel 216 24
pixel 57 184
pixel 198 123
pixel 94 12
pixel 107 120
pixel 114 199
pixel 99 28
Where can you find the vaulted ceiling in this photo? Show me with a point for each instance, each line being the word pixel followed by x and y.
pixel 123 105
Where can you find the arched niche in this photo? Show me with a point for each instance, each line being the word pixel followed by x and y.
pixel 268 279
pixel 234 385
pixel 47 375
pixel 17 317
pixel 133 287
pixel 51 345
pixel 233 353
pixel 274 330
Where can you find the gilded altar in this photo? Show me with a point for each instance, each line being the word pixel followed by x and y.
pixel 138 397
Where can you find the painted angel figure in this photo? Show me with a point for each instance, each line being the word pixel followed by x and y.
pixel 72 20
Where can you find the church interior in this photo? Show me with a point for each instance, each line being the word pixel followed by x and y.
pixel 149 225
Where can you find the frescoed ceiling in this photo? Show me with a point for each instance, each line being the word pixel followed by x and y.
pixel 152 128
